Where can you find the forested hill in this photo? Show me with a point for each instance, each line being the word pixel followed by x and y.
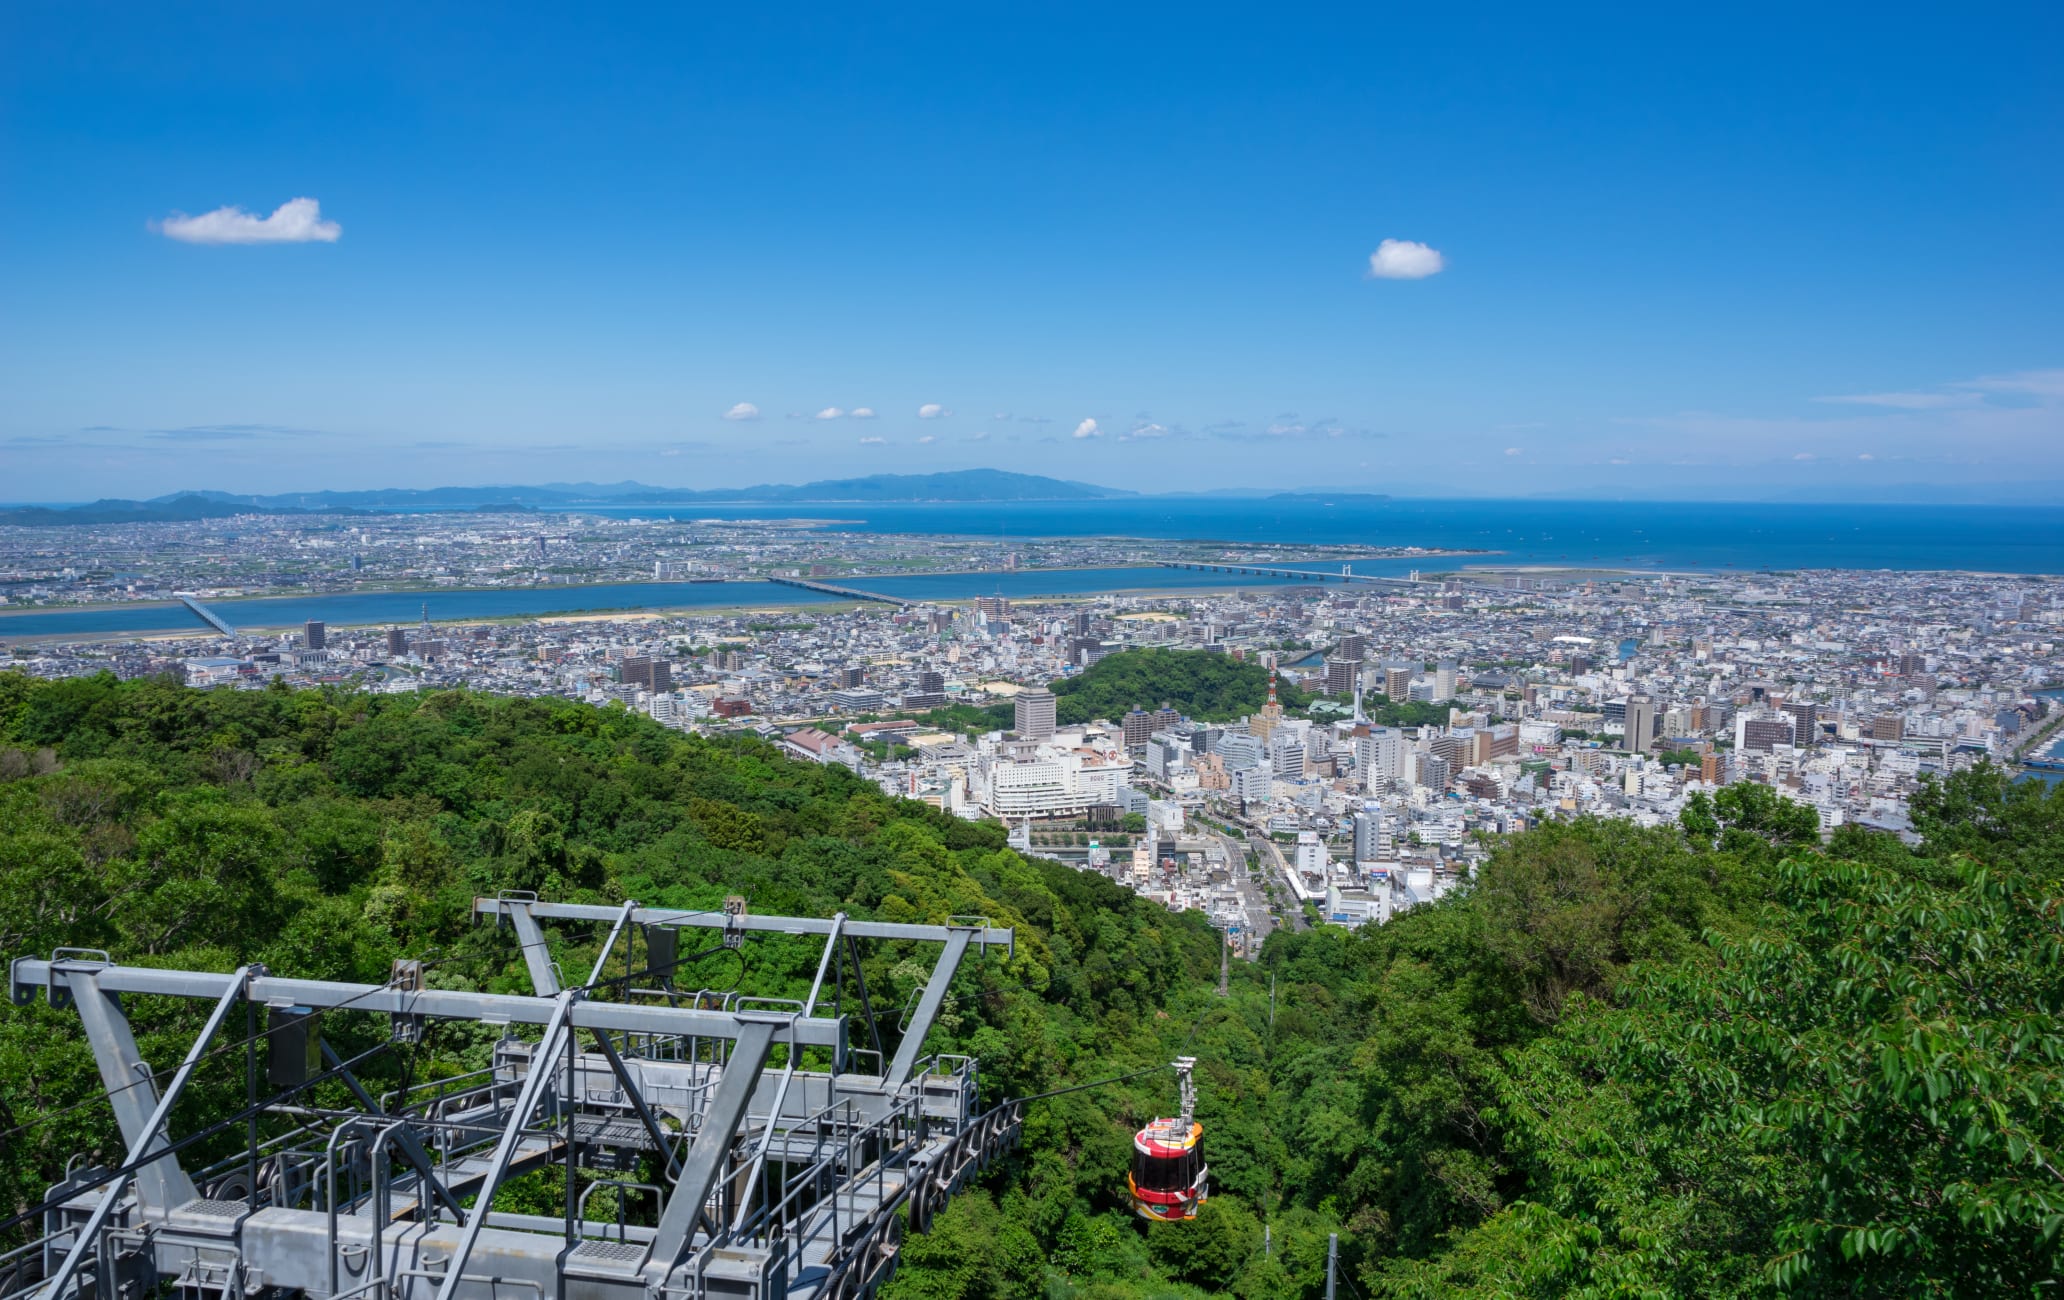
pixel 1716 1059
pixel 1200 684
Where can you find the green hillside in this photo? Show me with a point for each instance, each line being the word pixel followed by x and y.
pixel 1708 1060
pixel 1199 683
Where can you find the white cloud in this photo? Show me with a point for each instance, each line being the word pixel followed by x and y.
pixel 830 413
pixel 927 438
pixel 1148 429
pixel 931 411
pixel 1405 259
pixel 1087 429
pixel 2034 383
pixel 1512 451
pixel 1804 455
pixel 1285 428
pixel 743 411
pixel 1906 401
pixel 1864 455
pixel 983 436
pixel 874 442
pixel 862 413
pixel 297 221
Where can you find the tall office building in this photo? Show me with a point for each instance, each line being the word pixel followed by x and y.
pixel 1434 772
pixel 1289 758
pixel 1139 724
pixel 930 682
pixel 1352 646
pixel 1805 721
pixel 1753 732
pixel 1397 681
pixel 1342 674
pixel 1379 757
pixel 1444 681
pixel 1641 720
pixel 1368 833
pixel 397 642
pixel 316 636
pixel 649 671
pixel 1457 748
pixel 1035 714
pixel 1167 717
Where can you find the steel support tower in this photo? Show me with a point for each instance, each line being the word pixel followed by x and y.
pixel 778 1163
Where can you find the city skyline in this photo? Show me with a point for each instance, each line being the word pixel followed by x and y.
pixel 1494 255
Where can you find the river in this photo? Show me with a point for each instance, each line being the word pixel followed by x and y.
pixel 462 605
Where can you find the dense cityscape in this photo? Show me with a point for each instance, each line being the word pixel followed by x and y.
pixel 710 653
pixel 1424 714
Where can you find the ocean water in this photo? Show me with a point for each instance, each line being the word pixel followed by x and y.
pixel 1616 534
pixel 1666 535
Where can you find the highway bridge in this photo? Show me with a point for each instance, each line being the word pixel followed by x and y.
pixel 209 616
pixel 844 593
pixel 1323 575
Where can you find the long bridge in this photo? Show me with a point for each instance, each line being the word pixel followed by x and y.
pixel 784 1144
pixel 844 593
pixel 1324 575
pixel 209 616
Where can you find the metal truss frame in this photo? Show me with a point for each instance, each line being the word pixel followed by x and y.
pixel 777 1182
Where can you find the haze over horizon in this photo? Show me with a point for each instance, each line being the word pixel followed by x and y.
pixel 1761 254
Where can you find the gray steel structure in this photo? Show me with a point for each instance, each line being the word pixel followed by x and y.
pixel 208 616
pixel 776 1177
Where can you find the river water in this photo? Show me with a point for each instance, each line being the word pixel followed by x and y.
pixel 357 609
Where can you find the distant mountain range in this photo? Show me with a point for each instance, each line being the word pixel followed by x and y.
pixel 972 485
pixel 959 485
pixel 172 509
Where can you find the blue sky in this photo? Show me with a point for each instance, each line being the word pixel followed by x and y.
pixel 1758 250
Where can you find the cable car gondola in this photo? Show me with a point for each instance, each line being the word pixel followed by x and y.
pixel 1168 1170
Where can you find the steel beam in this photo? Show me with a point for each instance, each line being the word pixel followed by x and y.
pixel 534 1083
pixel 30 973
pixel 149 1136
pixel 161 1184
pixel 662 1141
pixel 710 1151
pixel 988 936
pixel 536 956
pixel 928 1008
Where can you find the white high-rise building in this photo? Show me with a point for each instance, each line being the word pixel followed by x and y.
pixel 1379 758
pixel 1444 681
pixel 1368 833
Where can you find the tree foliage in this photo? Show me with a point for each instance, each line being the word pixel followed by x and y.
pixel 1721 1058
pixel 1199 683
